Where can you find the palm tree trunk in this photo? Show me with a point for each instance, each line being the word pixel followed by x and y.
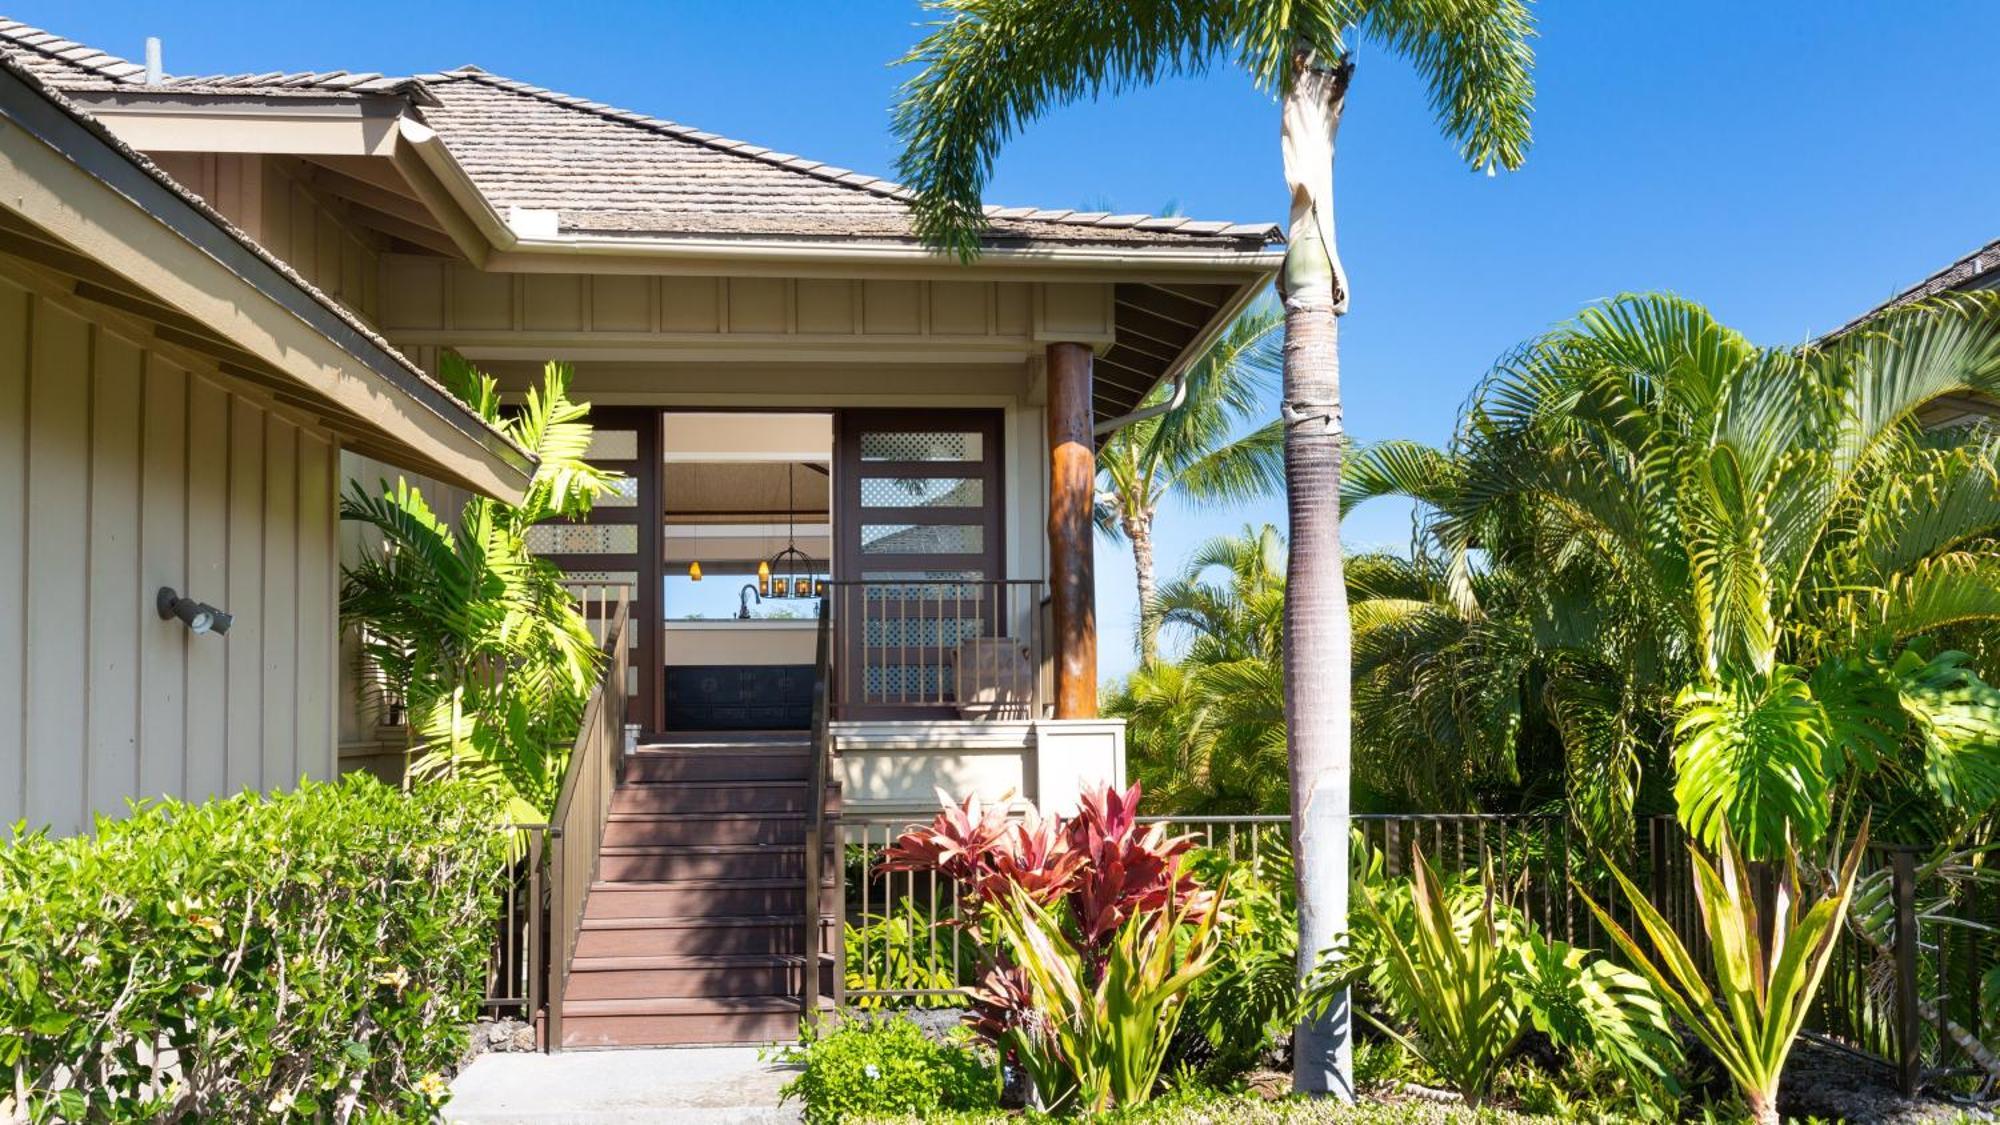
pixel 1316 637
pixel 1139 529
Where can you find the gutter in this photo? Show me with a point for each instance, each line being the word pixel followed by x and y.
pixel 1210 332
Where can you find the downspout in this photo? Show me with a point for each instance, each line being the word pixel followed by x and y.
pixel 1145 413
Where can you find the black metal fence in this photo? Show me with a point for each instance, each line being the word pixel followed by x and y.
pixel 1914 981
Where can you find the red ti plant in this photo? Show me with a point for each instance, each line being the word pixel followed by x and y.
pixel 1066 912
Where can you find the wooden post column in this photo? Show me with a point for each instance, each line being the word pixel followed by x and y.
pixel 1072 573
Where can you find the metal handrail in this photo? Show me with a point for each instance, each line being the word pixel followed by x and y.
pixel 939 646
pixel 816 828
pixel 576 829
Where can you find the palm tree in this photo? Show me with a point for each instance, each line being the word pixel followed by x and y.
pixel 1745 557
pixel 479 640
pixel 990 66
pixel 1189 451
pixel 1207 733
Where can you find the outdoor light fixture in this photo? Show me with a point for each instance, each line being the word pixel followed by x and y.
pixel 694 571
pixel 801 573
pixel 199 617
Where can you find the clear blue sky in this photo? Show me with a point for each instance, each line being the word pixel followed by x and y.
pixel 1788 162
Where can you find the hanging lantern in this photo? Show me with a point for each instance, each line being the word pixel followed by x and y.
pixel 763 579
pixel 694 571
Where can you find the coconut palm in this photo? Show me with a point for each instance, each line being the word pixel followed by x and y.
pixel 988 67
pixel 1749 553
pixel 1191 451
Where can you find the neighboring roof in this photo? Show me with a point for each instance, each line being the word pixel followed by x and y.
pixel 68 65
pixel 1977 270
pixel 605 170
pixel 327 316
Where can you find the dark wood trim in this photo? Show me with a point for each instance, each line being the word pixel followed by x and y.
pixel 1072 584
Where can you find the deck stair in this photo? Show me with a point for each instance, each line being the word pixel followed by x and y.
pixel 694 927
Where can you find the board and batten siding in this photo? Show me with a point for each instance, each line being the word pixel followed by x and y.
pixel 122 472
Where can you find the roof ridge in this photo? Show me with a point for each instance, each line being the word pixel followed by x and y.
pixel 69 52
pixel 862 181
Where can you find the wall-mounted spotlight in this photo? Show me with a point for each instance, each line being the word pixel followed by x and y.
pixel 199 617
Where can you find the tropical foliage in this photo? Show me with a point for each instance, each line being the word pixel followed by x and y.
pixel 1207 732
pixel 988 67
pixel 475 637
pixel 1193 451
pixel 311 955
pixel 1091 930
pixel 885 1066
pixel 1763 986
pixel 1455 964
pixel 1748 565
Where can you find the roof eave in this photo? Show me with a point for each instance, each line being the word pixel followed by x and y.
pixel 69 150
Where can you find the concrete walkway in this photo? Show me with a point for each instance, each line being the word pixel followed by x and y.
pixel 671 1084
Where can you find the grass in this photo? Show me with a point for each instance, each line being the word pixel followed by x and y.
pixel 1207 1108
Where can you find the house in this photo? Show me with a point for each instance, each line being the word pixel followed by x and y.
pixel 817 416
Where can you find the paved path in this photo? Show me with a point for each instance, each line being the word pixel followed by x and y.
pixel 695 1085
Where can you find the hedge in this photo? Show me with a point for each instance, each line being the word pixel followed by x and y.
pixel 316 953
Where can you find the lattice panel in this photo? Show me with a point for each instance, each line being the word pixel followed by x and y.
pixel 895 683
pixel 922 539
pixel 895 630
pixel 922 492
pixel 923 445
pixel 583 539
pixel 613 445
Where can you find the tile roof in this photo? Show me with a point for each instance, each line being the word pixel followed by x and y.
pixel 606 171
pixel 611 171
pixel 22 65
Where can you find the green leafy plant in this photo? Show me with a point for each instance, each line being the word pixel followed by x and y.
pixel 477 638
pixel 1763 986
pixel 900 950
pixel 1469 975
pixel 1091 930
pixel 312 954
pixel 1110 1022
pixel 886 1066
pixel 1250 995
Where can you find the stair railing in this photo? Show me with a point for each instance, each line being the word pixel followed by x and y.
pixel 817 834
pixel 576 830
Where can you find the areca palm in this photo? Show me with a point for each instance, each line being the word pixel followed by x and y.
pixel 988 67
pixel 1190 450
pixel 478 639
pixel 1759 545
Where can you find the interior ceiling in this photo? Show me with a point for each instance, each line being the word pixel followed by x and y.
pixel 745 492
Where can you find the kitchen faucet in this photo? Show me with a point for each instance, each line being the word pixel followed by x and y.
pixel 749 591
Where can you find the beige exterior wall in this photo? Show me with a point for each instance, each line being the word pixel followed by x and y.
pixel 122 471
pixel 897 768
pixel 271 200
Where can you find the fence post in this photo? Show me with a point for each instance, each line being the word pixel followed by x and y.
pixel 1909 1034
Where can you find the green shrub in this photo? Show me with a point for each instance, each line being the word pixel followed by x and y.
pixel 887 1066
pixel 1205 1108
pixel 318 952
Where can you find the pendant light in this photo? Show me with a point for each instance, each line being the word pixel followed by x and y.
pixel 791 573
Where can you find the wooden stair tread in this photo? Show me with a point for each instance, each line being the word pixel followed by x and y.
pixel 695 921
pixel 695 884
pixel 634 961
pixel 685 1006
pixel 699 849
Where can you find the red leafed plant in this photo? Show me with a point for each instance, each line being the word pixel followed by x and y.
pixel 1067 911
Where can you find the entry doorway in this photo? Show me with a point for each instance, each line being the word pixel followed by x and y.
pixel 894 514
pixel 747 507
